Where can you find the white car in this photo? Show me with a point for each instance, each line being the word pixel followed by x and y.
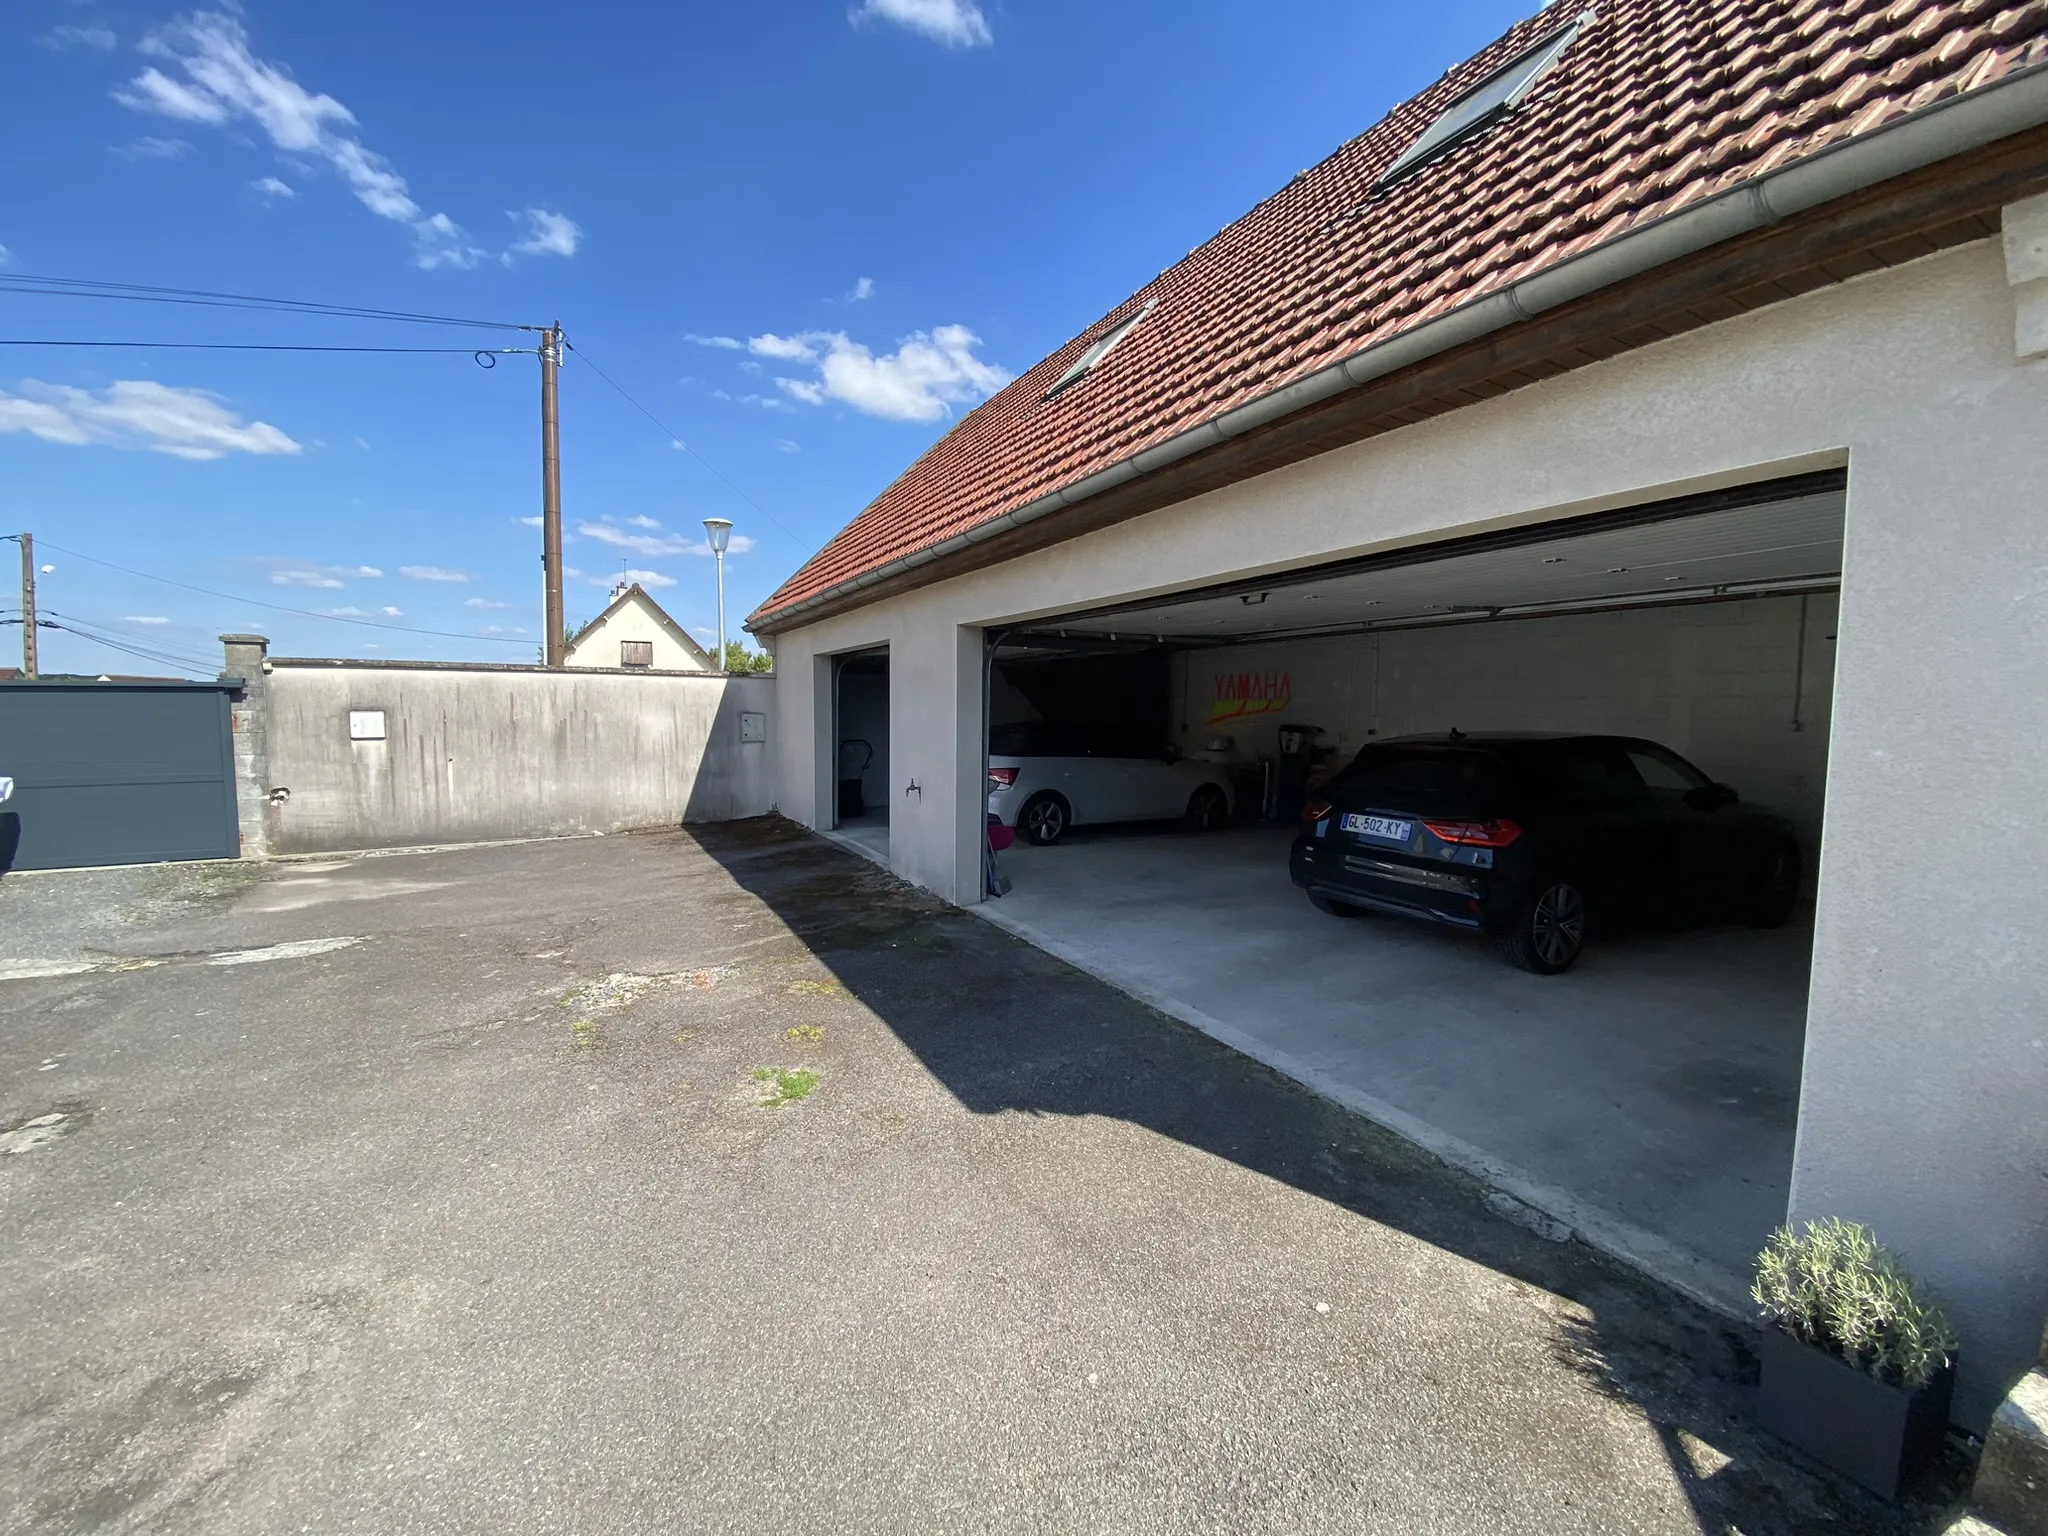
pixel 1043 779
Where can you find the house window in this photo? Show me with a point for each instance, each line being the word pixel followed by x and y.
pixel 1495 96
pixel 1096 353
pixel 636 653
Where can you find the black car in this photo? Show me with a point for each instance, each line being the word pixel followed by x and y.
pixel 1529 839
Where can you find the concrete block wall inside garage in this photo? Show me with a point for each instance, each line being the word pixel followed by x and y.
pixel 1742 688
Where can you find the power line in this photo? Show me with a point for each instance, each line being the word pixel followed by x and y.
pixel 88 288
pixel 94 629
pixel 112 645
pixel 304 613
pixel 683 444
pixel 271 346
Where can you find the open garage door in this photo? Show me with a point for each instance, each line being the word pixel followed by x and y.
pixel 117 772
pixel 1649 1093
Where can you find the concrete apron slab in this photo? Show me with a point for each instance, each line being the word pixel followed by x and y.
pixel 869 839
pixel 1647 1100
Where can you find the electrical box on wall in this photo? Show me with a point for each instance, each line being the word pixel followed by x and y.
pixel 366 725
pixel 753 727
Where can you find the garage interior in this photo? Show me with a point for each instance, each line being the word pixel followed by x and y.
pixel 860 714
pixel 1649 1097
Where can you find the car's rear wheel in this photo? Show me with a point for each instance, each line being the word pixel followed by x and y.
pixel 1777 889
pixel 1208 809
pixel 1332 906
pixel 1044 819
pixel 1549 931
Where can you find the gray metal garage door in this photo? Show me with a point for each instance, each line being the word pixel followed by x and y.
pixel 118 773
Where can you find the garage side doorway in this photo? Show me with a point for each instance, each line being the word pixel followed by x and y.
pixel 860 750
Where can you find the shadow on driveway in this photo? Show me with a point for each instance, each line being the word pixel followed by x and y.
pixel 1025 1033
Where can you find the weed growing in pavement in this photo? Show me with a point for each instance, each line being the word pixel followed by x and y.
pixel 805 1034
pixel 584 1034
pixel 817 989
pixel 784 1085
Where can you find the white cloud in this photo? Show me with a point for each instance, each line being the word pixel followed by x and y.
pixel 101 38
pixel 956 23
pixel 653 548
pixel 534 522
pixel 431 573
pixel 143 618
pixel 138 413
pixel 5 256
pixel 722 343
pixel 643 521
pixel 789 348
pixel 862 290
pixel 346 613
pixel 766 402
pixel 392 613
pixel 787 446
pixel 225 83
pixel 652 579
pixel 322 580
pixel 483 602
pixel 270 186
pixel 928 373
pixel 548 234
pixel 151 148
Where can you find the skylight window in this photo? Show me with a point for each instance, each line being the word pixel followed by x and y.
pixel 1085 363
pixel 1495 96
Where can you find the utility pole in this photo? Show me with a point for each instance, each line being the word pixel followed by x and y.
pixel 551 491
pixel 28 606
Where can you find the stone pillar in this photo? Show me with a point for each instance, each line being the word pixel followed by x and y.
pixel 2012 1479
pixel 251 716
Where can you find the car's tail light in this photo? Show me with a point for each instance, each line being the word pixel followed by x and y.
pixel 1476 834
pixel 1001 778
pixel 1315 810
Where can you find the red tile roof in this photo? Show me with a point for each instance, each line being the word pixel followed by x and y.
pixel 1656 105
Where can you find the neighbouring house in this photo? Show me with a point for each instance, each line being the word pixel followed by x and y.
pixel 1664 370
pixel 635 632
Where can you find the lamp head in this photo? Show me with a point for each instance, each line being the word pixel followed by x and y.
pixel 720 531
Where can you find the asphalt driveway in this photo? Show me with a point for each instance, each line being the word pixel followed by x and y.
pixel 717 1181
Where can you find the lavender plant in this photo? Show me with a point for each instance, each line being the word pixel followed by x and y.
pixel 1831 1284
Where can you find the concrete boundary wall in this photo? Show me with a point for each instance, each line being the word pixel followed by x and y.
pixel 335 755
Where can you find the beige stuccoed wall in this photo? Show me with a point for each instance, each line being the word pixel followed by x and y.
pixel 1927 1041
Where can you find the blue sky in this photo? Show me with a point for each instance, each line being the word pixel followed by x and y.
pixel 806 235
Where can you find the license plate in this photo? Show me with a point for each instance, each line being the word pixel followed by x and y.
pixel 1379 826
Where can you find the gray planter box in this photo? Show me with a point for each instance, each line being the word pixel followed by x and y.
pixel 1879 1435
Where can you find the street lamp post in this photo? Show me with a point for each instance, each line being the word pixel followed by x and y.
pixel 719 529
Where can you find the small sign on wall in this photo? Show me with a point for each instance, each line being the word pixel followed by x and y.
pixel 753 727
pixel 366 725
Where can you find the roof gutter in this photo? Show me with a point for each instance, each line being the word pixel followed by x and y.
pixel 1949 127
